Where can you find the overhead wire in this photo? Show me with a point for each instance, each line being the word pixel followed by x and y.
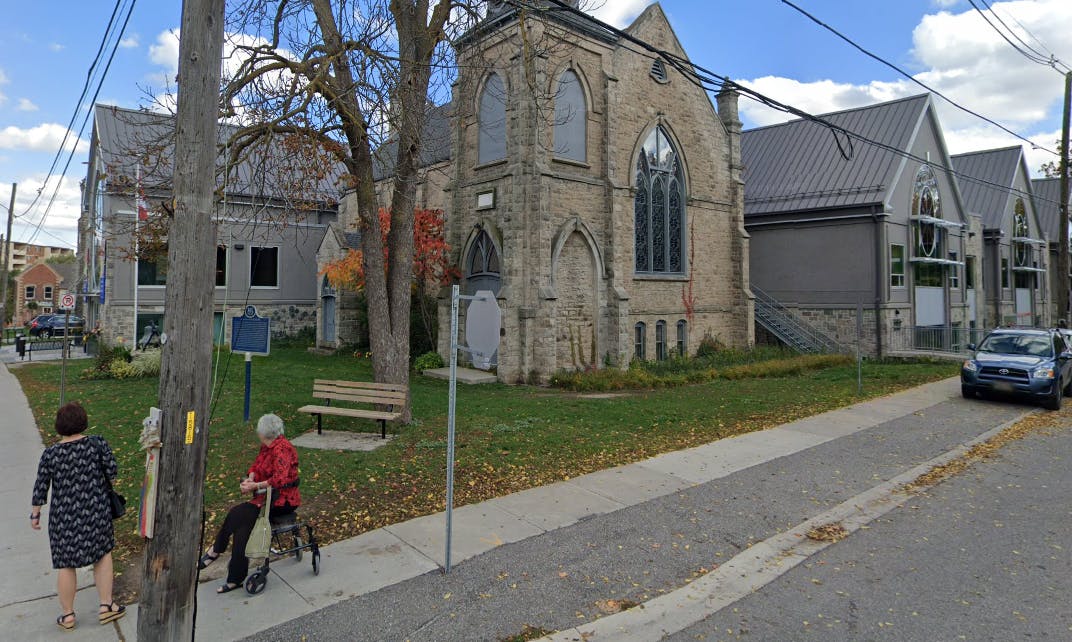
pixel 1032 54
pixel 1049 52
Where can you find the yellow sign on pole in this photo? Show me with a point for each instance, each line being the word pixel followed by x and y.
pixel 190 416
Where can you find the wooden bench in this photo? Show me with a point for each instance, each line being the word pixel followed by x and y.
pixel 390 395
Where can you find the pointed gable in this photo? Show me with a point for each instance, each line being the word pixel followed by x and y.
pixel 799 166
pixel 997 166
pixel 1048 204
pixel 652 26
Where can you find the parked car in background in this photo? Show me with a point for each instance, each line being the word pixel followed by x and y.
pixel 1023 362
pixel 49 325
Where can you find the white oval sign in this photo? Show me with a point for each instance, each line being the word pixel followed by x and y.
pixel 483 322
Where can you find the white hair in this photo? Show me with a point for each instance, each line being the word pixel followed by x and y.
pixel 270 426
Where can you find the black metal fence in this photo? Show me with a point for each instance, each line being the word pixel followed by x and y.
pixel 951 340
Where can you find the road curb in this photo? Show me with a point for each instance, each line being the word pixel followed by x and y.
pixel 760 564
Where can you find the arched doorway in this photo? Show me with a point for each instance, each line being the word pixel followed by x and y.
pixel 328 298
pixel 483 272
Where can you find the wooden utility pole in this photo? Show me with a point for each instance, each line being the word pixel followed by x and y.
pixel 166 606
pixel 5 258
pixel 1062 247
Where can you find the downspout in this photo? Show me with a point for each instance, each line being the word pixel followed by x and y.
pixel 880 255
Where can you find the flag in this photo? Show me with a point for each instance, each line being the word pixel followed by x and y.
pixel 143 207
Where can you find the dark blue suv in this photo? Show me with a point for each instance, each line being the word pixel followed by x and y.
pixel 1026 362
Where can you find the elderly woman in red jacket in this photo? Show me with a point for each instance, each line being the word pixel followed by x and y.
pixel 276 466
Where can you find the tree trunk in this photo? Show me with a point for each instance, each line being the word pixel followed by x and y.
pixel 168 588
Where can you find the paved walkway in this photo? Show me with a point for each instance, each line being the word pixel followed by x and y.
pixel 404 551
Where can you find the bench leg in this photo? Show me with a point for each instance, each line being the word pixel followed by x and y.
pixel 319 424
pixel 383 429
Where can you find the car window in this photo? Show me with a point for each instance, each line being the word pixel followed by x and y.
pixel 1022 344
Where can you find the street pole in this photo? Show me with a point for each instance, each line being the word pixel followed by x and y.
pixel 63 353
pixel 452 400
pixel 167 605
pixel 1062 247
pixel 6 256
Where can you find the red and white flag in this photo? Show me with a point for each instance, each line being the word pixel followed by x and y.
pixel 143 206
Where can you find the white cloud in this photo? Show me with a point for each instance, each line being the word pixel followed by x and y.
pixel 62 219
pixel 619 12
pixel 164 53
pixel 945 4
pixel 25 104
pixel 42 138
pixel 130 42
pixel 965 59
pixel 55 46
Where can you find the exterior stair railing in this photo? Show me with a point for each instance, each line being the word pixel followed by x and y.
pixel 789 328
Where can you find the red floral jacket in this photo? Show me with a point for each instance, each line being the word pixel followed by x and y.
pixel 278 465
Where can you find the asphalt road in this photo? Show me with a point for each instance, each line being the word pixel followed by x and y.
pixel 983 556
pixel 558 579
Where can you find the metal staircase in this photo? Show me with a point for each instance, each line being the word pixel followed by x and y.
pixel 789 328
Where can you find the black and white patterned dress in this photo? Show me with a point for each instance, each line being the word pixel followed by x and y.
pixel 80 514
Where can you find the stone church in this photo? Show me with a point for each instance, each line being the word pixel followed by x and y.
pixel 594 189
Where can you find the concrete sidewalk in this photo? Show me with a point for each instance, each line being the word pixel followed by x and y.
pixel 404 551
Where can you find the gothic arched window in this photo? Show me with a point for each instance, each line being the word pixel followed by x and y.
pixel 928 230
pixel 492 143
pixel 1021 233
pixel 571 116
pixel 659 207
pixel 482 270
pixel 640 340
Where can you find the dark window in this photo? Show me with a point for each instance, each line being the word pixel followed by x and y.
pixel 682 338
pixel 660 340
pixel 640 339
pixel 897 266
pixel 571 115
pixel 264 267
pixel 491 145
pixel 48 293
pixel 1004 272
pixel 659 207
pixel 954 272
pixel 221 265
pixel 152 271
pixel 31 292
pixel 658 70
pixel 969 272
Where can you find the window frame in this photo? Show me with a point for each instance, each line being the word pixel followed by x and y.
pixel 562 122
pixel 29 293
pixel 139 270
pixel 661 353
pixel 682 338
pixel 256 249
pixel 903 273
pixel 668 174
pixel 226 266
pixel 486 132
pixel 954 272
pixel 640 341
pixel 969 272
pixel 47 292
pixel 1005 273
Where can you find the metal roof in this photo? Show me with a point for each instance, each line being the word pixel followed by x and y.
pixel 993 166
pixel 797 166
pixel 127 139
pixel 1047 198
pixel 435 144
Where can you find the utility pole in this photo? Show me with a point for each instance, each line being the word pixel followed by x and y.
pixel 1062 247
pixel 167 605
pixel 5 256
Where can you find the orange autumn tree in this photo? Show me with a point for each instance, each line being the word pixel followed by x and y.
pixel 431 263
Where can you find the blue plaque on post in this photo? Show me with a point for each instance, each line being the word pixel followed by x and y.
pixel 251 333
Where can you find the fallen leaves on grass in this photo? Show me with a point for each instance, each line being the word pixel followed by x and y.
pixel 834 532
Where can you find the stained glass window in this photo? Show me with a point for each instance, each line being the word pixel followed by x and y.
pixel 1021 231
pixel 929 235
pixel 659 207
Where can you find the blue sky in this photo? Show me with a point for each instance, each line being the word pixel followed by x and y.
pixel 46 48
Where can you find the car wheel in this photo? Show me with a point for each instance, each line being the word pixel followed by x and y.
pixel 1055 401
pixel 47 334
pixel 967 392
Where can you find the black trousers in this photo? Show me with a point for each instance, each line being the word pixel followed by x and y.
pixel 239 525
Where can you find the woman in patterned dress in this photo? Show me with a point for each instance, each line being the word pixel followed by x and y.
pixel 80 514
pixel 276 466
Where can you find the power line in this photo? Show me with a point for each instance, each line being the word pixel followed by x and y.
pixel 85 121
pixel 909 76
pixel 1033 55
pixel 1031 35
pixel 78 105
pixel 698 73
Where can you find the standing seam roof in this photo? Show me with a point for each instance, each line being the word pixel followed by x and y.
pixel 993 166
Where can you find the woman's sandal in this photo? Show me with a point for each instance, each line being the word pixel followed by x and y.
pixel 62 622
pixel 113 613
pixel 227 588
pixel 205 560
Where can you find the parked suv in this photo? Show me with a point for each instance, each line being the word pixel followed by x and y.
pixel 47 325
pixel 1026 362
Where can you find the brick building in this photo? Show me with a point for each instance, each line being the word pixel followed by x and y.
pixel 594 190
pixel 24 255
pixel 38 287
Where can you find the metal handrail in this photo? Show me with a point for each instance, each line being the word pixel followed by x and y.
pixel 771 311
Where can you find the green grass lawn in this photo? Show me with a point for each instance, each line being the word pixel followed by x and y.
pixel 508 438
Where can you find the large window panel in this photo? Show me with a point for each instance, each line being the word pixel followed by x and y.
pixel 491 145
pixel 153 271
pixel 221 266
pixel 264 267
pixel 571 119
pixel 659 207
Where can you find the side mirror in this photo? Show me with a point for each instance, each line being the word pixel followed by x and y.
pixel 971 346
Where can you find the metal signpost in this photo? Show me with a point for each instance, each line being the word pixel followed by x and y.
pixel 251 334
pixel 66 304
pixel 483 320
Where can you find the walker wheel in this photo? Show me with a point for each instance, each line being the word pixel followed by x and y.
pixel 316 561
pixel 298 545
pixel 255 583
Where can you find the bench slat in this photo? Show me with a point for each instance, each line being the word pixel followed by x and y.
pixel 350 412
pixel 377 401
pixel 380 394
pixel 392 387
